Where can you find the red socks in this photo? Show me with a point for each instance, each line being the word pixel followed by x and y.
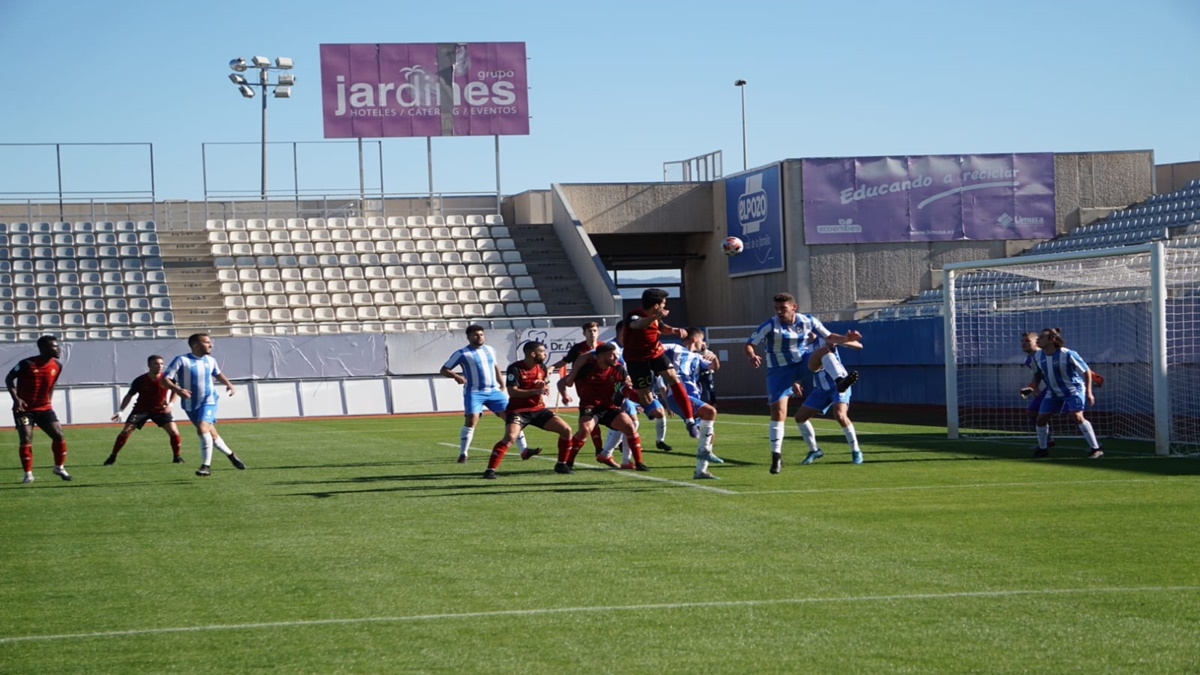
pixel 497 454
pixel 120 442
pixel 682 398
pixel 59 448
pixel 635 444
pixel 26 453
pixel 174 444
pixel 597 438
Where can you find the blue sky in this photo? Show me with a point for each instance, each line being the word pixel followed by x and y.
pixel 617 88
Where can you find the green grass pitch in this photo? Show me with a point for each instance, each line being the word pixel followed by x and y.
pixel 359 545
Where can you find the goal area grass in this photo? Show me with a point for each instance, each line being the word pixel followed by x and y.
pixel 360 545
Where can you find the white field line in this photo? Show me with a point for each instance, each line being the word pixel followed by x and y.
pixel 963 486
pixel 606 608
pixel 624 474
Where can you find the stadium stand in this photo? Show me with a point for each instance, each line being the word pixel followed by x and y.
pixel 83 280
pixel 375 275
pixel 1173 217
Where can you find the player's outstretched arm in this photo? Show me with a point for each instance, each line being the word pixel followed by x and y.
pixel 124 403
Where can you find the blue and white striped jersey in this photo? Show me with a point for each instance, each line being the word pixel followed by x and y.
pixel 688 364
pixel 195 374
pixel 787 344
pixel 1062 371
pixel 478 367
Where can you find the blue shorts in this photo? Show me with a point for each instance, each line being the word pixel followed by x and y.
pixel 205 413
pixel 821 399
pixel 780 380
pixel 696 404
pixel 475 401
pixel 1062 404
pixel 1036 404
pixel 654 410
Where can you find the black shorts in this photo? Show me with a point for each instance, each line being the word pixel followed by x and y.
pixel 42 419
pixel 538 418
pixel 604 415
pixel 139 420
pixel 642 372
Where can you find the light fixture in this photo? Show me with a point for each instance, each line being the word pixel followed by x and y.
pixel 741 84
pixel 282 88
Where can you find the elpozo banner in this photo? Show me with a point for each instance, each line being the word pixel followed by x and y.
pixel 928 198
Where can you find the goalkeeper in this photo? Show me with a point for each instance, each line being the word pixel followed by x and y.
pixel 1032 391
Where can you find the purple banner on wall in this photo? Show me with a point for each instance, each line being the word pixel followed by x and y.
pixel 931 198
pixel 433 89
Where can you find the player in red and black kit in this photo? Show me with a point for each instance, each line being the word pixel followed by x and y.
pixel 602 385
pixel 31 385
pixel 591 340
pixel 153 404
pixel 527 383
pixel 644 353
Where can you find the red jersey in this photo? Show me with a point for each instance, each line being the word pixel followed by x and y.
pixel 35 381
pixel 524 377
pixel 151 394
pixel 599 387
pixel 641 344
pixel 579 349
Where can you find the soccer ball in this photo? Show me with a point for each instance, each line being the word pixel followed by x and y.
pixel 732 246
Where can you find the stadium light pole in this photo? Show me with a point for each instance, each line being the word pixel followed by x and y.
pixel 282 89
pixel 741 84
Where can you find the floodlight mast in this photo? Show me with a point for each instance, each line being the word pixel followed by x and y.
pixel 283 89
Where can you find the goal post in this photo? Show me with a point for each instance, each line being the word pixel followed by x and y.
pixel 1131 313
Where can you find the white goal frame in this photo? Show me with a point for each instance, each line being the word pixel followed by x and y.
pixel 1158 324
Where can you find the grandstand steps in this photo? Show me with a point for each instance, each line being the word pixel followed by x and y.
pixel 553 276
pixel 195 291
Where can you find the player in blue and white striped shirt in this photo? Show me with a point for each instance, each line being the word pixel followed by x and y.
pixel 689 361
pixel 1068 382
pixel 829 393
pixel 481 378
pixel 191 376
pixel 784 338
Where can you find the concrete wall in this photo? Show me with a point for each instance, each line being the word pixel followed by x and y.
pixel 1171 177
pixel 642 208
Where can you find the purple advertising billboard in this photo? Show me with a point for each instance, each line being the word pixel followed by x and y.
pixel 430 89
pixel 930 198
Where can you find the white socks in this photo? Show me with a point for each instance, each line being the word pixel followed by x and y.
pixel 206 448
pixel 220 445
pixel 833 365
pixel 1043 436
pixel 611 441
pixel 705 441
pixel 660 429
pixel 521 442
pixel 776 436
pixel 851 437
pixel 1089 434
pixel 809 434
pixel 464 439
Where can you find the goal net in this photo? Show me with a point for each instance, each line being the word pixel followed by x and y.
pixel 1132 313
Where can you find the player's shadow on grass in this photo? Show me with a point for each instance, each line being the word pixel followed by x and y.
pixel 464 486
pixel 881 448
